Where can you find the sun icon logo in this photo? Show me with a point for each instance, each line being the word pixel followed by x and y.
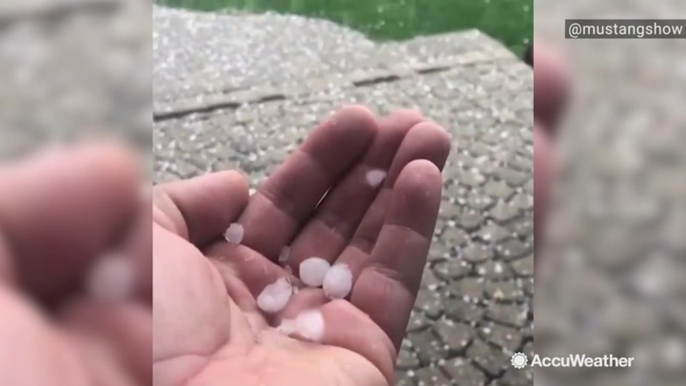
pixel 519 360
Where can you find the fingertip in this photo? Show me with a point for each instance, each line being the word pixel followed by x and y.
pixel 240 181
pixel 405 116
pixel 416 198
pixel 114 159
pixel 356 117
pixel 419 186
pixel 203 207
pixel 425 140
pixel 435 137
pixel 356 110
pixel 114 169
pixel 419 177
pixel 344 135
pixel 399 123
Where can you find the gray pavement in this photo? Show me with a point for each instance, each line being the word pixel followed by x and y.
pixel 241 91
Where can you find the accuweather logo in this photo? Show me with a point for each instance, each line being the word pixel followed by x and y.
pixel 520 360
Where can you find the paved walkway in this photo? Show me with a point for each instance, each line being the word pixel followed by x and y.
pixel 240 91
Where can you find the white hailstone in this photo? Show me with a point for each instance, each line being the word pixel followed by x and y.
pixel 375 177
pixel 309 324
pixel 498 268
pixel 286 327
pixel 275 296
pixel 338 282
pixel 284 254
pixel 112 278
pixel 313 271
pixel 234 234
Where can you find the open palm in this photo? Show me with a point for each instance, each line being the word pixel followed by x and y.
pixel 322 201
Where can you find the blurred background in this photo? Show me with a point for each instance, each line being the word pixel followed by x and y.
pixel 72 69
pixel 75 244
pixel 611 278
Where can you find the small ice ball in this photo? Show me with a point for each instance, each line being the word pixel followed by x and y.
pixel 284 254
pixel 286 327
pixel 309 324
pixel 112 278
pixel 338 282
pixel 313 270
pixel 234 234
pixel 375 177
pixel 275 296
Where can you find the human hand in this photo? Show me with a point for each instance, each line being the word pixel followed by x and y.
pixel 208 328
pixel 59 213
